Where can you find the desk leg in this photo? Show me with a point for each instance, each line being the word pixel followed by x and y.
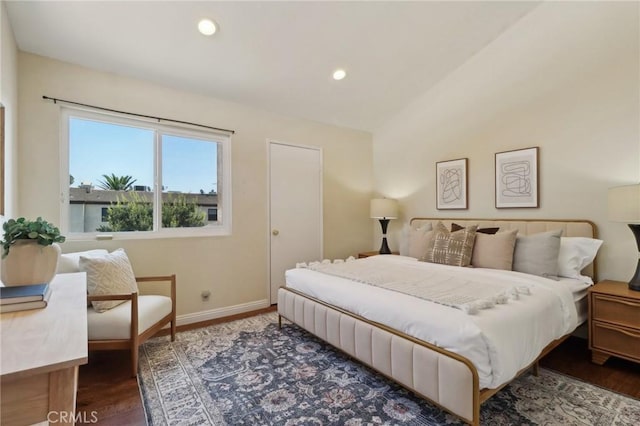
pixel 63 385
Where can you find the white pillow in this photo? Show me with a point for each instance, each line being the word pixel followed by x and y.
pixel 404 240
pixel 70 262
pixel 418 240
pixel 109 274
pixel 575 254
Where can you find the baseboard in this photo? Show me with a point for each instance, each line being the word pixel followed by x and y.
pixel 221 312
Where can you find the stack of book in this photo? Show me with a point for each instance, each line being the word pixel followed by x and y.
pixel 23 297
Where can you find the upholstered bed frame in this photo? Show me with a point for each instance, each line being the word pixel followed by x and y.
pixel 447 379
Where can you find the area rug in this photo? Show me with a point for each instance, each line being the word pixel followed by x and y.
pixel 248 372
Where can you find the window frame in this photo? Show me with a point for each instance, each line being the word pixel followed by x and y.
pixel 224 171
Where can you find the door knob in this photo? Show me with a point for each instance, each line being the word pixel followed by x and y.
pixel 275 232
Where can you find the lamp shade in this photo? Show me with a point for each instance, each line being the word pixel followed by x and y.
pixel 384 208
pixel 624 204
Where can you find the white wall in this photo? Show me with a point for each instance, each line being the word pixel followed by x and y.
pixel 564 78
pixel 9 98
pixel 234 268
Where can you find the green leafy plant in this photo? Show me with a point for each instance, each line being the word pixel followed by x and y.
pixel 177 212
pixel 39 230
pixel 132 212
pixel 129 213
pixel 117 183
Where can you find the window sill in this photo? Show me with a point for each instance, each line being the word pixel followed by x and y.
pixel 149 235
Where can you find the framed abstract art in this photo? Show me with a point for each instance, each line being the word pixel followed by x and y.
pixel 517 178
pixel 451 185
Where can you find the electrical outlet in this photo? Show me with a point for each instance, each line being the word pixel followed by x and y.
pixel 205 295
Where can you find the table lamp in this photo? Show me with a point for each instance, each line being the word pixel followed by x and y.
pixel 384 209
pixel 624 206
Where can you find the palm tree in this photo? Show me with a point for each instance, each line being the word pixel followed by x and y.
pixel 117 183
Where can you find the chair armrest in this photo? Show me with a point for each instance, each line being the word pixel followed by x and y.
pixel 170 278
pixel 100 298
pixel 156 279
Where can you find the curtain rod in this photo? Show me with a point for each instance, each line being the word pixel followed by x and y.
pixel 56 100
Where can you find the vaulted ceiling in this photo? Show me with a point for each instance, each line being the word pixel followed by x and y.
pixel 273 55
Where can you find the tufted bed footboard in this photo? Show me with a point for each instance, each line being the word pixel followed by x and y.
pixel 444 378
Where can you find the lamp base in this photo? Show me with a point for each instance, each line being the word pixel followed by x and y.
pixel 384 249
pixel 634 284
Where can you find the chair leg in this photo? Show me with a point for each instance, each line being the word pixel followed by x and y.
pixel 173 330
pixel 134 361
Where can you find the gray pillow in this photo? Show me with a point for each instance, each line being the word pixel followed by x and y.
pixel 537 254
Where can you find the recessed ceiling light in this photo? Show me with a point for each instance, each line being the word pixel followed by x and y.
pixel 207 27
pixel 339 74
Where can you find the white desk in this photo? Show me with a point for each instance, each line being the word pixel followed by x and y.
pixel 40 352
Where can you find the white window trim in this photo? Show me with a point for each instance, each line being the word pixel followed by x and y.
pixel 224 191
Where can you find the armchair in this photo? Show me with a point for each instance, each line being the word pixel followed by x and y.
pixel 129 324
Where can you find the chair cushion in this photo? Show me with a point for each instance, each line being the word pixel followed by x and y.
pixel 108 274
pixel 115 323
pixel 70 262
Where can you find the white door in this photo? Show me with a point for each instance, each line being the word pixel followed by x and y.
pixel 295 188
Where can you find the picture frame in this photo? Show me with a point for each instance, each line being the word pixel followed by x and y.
pixel 516 174
pixel 451 184
pixel 2 156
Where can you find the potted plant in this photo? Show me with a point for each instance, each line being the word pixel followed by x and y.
pixel 29 251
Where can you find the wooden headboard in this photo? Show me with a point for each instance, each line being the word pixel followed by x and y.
pixel 570 228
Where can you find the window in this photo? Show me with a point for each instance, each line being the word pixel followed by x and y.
pixel 139 179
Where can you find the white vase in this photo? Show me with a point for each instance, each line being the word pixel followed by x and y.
pixel 30 263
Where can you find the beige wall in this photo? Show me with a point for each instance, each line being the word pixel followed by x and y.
pixel 564 78
pixel 9 98
pixel 233 268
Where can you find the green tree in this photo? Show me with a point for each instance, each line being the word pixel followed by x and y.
pixel 117 183
pixel 131 212
pixel 177 212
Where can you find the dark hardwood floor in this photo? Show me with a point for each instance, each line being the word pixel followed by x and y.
pixel 573 358
pixel 107 391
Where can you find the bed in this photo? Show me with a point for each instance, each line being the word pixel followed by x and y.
pixel 435 351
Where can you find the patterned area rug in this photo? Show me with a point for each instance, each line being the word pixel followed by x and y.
pixel 248 372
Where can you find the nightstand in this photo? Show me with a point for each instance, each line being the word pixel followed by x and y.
pixel 372 253
pixel 614 322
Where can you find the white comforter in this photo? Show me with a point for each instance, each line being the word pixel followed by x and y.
pixel 498 341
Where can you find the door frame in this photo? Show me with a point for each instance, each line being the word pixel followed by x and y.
pixel 270 142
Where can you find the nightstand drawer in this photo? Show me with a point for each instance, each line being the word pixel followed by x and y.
pixel 619 340
pixel 616 310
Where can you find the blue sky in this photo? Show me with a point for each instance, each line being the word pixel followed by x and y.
pixel 97 148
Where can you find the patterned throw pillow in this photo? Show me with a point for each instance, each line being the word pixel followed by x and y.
pixel 451 248
pixel 109 274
